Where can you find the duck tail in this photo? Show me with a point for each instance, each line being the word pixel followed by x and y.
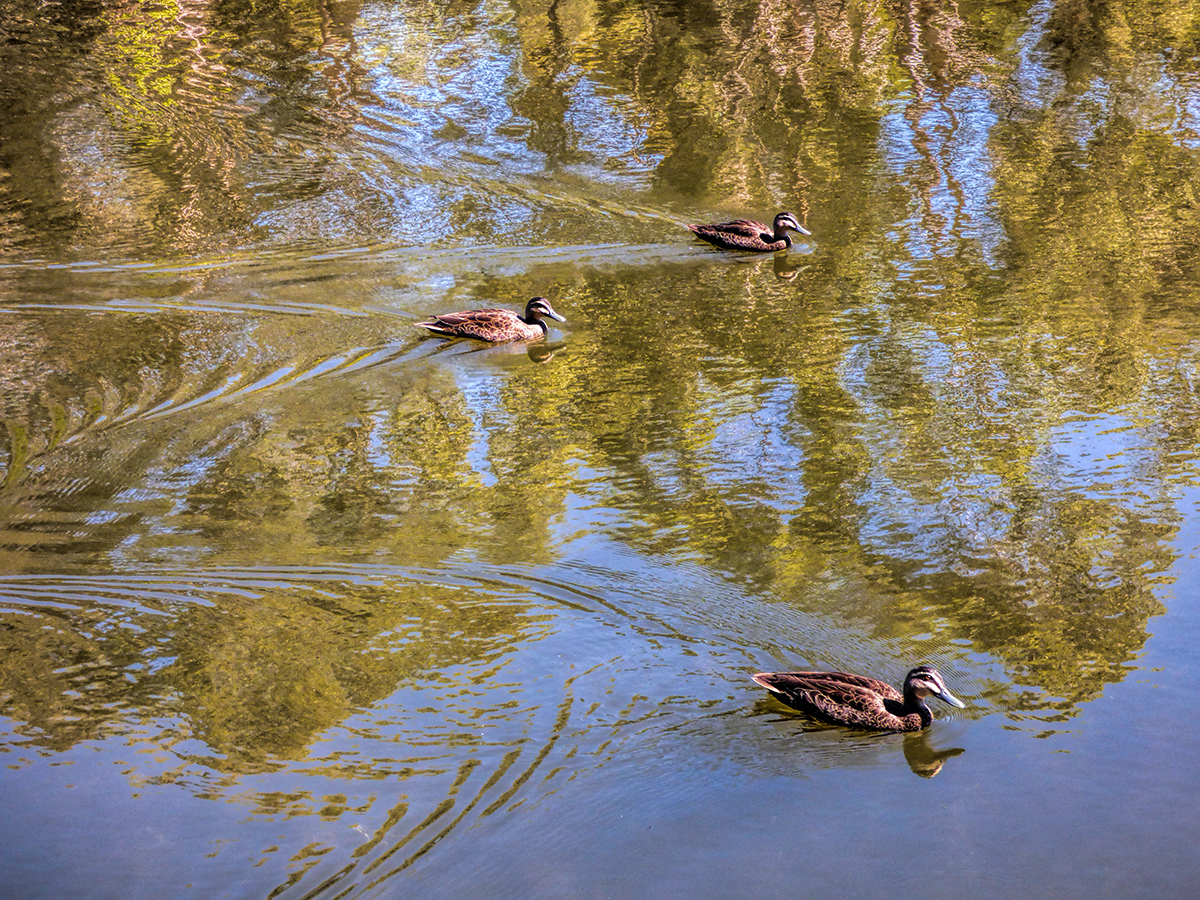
pixel 766 679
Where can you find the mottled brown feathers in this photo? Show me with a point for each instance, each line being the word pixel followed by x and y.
pixel 755 237
pixel 495 324
pixel 859 702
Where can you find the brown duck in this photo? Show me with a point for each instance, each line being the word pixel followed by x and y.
pixel 496 325
pixel 742 234
pixel 859 702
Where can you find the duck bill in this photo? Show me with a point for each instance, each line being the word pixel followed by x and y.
pixel 802 230
pixel 555 316
pixel 947 697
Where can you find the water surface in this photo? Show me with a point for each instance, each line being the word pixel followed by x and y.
pixel 296 602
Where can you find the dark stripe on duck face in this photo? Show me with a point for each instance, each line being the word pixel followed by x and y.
pixel 927 681
pixel 539 307
pixel 495 324
pixel 859 702
pixel 789 221
pixel 744 234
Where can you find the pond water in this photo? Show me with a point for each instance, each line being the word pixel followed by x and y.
pixel 298 602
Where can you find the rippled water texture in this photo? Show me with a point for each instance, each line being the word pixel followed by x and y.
pixel 298 602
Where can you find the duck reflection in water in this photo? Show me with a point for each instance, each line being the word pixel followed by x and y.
pixel 923 758
pixel 859 702
pixel 744 234
pixel 495 325
pixel 541 351
pixel 783 271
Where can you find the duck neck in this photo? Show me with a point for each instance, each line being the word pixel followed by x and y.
pixel 915 704
pixel 534 318
pixel 781 234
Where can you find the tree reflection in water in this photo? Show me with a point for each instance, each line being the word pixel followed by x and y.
pixel 250 525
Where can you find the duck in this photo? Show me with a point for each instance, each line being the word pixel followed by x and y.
pixel 860 702
pixel 494 324
pixel 743 234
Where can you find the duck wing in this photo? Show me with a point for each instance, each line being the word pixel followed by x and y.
pixel 738 228
pixel 748 228
pixel 835 696
pixel 740 234
pixel 831 683
pixel 846 679
pixel 477 323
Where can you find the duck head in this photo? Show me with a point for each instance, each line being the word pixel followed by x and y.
pixel 924 681
pixel 539 308
pixel 785 222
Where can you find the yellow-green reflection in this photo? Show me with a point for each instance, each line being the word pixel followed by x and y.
pixel 960 420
